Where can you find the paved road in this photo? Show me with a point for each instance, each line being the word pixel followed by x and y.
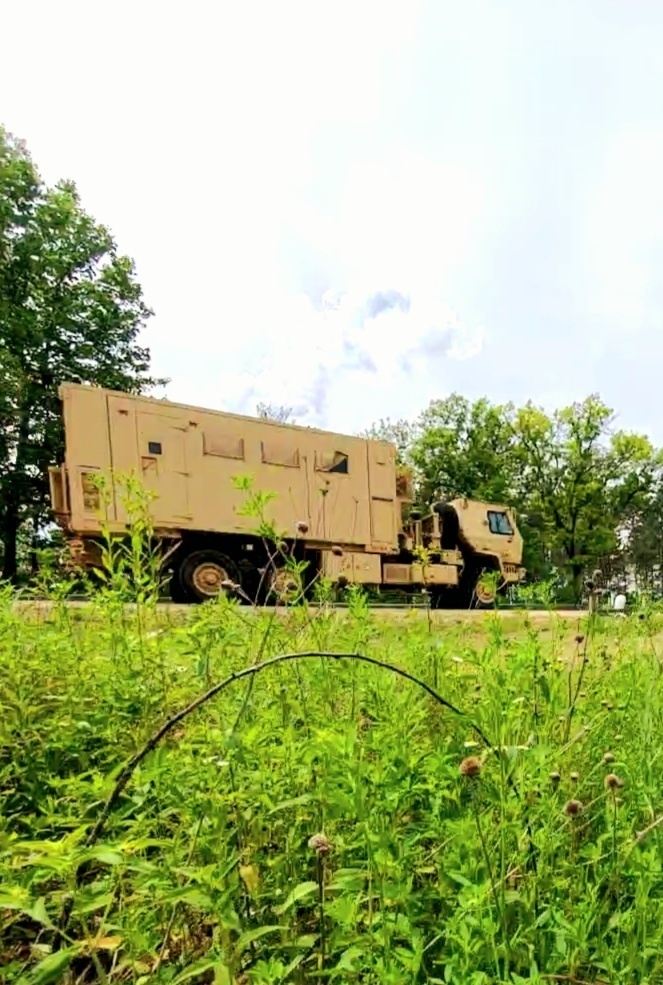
pixel 43 607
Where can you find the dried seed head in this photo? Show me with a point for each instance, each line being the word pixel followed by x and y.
pixel 320 843
pixel 302 527
pixel 572 808
pixel 613 782
pixel 342 581
pixel 608 758
pixel 338 551
pixel 514 877
pixel 579 638
pixel 555 778
pixel 470 766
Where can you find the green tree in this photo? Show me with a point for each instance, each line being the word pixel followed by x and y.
pixel 465 449
pixel 400 433
pixel 70 310
pixel 644 541
pixel 581 479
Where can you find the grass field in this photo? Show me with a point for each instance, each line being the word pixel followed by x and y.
pixel 329 820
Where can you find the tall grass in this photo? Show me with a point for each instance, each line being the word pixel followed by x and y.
pixel 336 822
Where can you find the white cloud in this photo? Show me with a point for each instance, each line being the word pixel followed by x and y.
pixel 337 367
pixel 190 132
pixel 624 226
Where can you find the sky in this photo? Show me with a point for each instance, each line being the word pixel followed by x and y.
pixel 354 208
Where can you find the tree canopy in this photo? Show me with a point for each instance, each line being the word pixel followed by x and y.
pixel 576 481
pixel 71 309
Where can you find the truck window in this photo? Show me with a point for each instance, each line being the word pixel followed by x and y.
pixel 336 461
pixel 498 523
pixel 277 453
pixel 223 445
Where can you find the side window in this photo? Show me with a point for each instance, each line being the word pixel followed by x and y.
pixel 280 453
pixel 335 461
pixel 499 523
pixel 223 445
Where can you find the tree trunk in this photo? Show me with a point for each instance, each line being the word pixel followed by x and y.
pixel 577 572
pixel 9 533
pixel 12 506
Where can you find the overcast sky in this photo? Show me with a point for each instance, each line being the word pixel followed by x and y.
pixel 356 207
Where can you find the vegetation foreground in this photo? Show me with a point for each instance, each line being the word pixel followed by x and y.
pixel 329 820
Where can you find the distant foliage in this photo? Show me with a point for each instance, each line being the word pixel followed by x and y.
pixel 583 490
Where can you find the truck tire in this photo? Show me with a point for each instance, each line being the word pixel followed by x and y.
pixel 484 597
pixel 202 573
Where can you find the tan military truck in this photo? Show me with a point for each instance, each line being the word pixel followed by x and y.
pixel 341 500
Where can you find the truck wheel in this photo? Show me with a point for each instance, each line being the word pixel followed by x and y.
pixel 484 595
pixel 282 587
pixel 202 575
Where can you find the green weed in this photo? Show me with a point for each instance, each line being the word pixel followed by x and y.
pixel 328 820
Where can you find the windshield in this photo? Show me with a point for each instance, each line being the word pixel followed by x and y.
pixel 499 523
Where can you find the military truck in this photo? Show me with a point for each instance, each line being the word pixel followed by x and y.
pixel 345 506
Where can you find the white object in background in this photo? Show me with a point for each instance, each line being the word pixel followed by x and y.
pixel 620 602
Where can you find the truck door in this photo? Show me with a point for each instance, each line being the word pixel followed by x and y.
pixel 162 440
pixel 152 443
pixel 339 507
pixel 382 482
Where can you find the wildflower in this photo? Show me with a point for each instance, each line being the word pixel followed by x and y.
pixel 613 782
pixel 575 777
pixel 608 758
pixel 302 527
pixel 457 660
pixel 470 766
pixel 319 843
pixel 555 778
pixel 572 808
